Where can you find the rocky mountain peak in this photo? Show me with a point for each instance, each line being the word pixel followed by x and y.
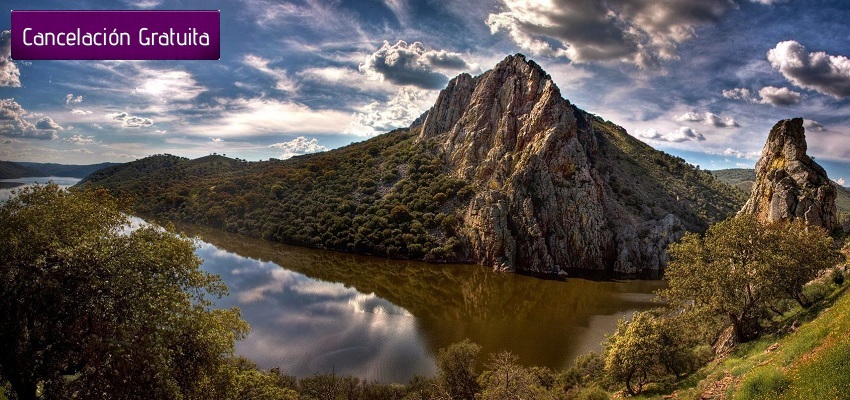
pixel 790 184
pixel 540 204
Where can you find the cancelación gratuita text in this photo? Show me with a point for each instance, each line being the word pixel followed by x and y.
pixel 145 37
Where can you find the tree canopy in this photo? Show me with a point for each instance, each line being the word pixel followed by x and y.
pixel 742 268
pixel 92 309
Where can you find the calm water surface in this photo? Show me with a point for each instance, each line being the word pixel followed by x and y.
pixel 314 311
pixel 9 185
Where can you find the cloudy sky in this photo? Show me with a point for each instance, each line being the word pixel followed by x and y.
pixel 701 79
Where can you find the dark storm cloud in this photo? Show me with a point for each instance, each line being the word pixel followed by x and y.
pixel 817 71
pixel 641 32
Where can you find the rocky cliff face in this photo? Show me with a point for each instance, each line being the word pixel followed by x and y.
pixel 541 203
pixel 789 184
pixel 501 171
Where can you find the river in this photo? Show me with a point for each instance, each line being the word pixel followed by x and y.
pixel 316 311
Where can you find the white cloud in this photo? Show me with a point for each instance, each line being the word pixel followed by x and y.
pixel 143 4
pixel 767 95
pixel 345 77
pixel 740 94
pixel 840 181
pixel 121 155
pixel 413 64
pixel 14 123
pixel 78 111
pixel 632 31
pixel 779 96
pixel 166 85
pixel 282 81
pixel 9 73
pixel 398 112
pixel 161 132
pixel 217 140
pixel 130 121
pixel 817 71
pixel 683 134
pixel 730 152
pixel 811 125
pixel 79 139
pixel 707 118
pixel 264 116
pixel 298 146
pixel 70 99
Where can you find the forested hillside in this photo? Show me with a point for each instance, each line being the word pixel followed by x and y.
pixel 386 196
pixel 502 171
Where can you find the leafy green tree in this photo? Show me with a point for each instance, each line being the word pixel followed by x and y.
pixel 90 309
pixel 456 365
pixel 802 252
pixel 632 354
pixel 742 266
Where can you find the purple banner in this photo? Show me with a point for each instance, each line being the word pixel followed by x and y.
pixel 116 35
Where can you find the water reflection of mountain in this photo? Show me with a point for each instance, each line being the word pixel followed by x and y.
pixel 545 322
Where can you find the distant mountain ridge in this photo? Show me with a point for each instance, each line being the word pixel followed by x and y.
pixel 502 171
pixel 12 170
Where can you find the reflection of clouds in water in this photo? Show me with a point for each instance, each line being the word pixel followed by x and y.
pixel 278 279
pixel 308 326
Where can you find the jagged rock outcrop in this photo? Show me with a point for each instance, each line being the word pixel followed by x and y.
pixel 501 171
pixel 789 184
pixel 541 206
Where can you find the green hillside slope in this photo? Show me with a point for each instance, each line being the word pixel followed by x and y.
pixel 390 195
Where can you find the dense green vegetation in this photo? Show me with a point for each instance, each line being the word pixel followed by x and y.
pixel 391 196
pixel 388 196
pixel 93 311
pixel 90 311
pixel 652 183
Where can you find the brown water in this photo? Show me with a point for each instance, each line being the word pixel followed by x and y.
pixel 314 311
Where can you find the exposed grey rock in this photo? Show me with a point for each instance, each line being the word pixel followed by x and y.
pixel 789 184
pixel 541 205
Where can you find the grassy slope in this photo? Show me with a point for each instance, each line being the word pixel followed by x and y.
pixel 809 362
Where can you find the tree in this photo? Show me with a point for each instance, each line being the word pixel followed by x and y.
pixel 742 266
pixel 456 365
pixel 802 252
pixel 645 349
pixel 91 309
pixel 507 380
